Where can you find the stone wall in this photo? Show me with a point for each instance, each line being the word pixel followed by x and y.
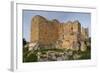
pixel 69 35
pixel 35 29
pixel 53 34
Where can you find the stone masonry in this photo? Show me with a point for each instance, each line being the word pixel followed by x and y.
pixel 53 34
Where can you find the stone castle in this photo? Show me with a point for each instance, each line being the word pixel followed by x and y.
pixel 54 34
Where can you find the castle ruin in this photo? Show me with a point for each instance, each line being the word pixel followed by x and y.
pixel 54 34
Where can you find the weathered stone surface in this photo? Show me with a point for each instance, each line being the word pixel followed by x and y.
pixel 53 34
pixel 83 46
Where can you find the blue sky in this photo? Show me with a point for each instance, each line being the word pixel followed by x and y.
pixel 83 18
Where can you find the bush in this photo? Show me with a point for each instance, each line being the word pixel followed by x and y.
pixel 31 58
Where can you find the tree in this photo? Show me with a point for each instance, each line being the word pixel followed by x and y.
pixel 24 42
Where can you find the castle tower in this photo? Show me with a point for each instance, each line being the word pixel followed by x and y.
pixel 44 31
pixel 77 33
pixel 84 33
pixel 70 34
pixel 34 29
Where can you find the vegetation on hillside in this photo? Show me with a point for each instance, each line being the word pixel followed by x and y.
pixel 48 54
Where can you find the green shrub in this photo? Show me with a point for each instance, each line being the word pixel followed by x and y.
pixel 31 58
